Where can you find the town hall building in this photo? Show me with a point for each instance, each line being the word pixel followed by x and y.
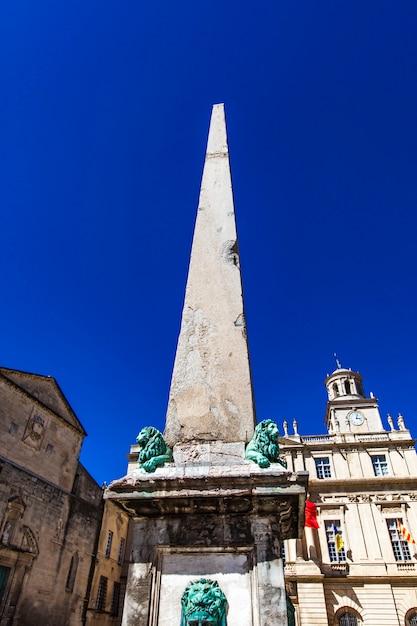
pixel 357 567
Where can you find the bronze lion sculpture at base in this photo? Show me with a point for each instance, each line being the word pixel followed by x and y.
pixel 263 448
pixel 154 451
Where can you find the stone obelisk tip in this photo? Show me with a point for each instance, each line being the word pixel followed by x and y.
pixel 211 390
pixel 217 139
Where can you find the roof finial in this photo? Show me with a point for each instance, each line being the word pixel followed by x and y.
pixel 339 365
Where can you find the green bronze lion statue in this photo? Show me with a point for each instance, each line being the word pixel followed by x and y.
pixel 154 452
pixel 203 603
pixel 263 448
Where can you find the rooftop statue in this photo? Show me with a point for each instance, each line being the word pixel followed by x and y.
pixel 203 603
pixel 263 448
pixel 154 451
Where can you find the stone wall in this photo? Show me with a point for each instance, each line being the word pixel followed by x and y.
pixel 62 528
pixel 35 438
pixel 111 556
pixel 50 507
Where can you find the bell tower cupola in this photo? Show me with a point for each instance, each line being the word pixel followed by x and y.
pixel 342 383
pixel 348 408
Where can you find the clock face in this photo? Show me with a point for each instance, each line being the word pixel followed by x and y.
pixel 356 418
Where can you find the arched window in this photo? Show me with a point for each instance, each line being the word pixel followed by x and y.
pixel 335 390
pixel 347 619
pixel 411 619
pixel 347 386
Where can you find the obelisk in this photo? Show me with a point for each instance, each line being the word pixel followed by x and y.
pixel 207 517
pixel 211 394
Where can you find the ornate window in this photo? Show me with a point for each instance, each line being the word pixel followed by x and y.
pixel 109 542
pixel 323 467
pixel 399 545
pixel 347 618
pixel 335 542
pixel 101 594
pixel 380 465
pixel 14 512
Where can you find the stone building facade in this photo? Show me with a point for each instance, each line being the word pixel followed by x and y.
pixel 109 580
pixel 357 567
pixel 50 507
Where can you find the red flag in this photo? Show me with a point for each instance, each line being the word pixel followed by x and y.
pixel 311 515
pixel 404 532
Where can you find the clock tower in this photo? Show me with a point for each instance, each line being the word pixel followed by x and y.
pixel 348 409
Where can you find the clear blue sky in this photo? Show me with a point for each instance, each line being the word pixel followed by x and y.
pixel 104 114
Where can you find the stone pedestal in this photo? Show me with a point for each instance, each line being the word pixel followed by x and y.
pixel 210 515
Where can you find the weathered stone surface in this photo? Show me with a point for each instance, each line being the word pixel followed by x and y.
pixel 55 526
pixel 201 490
pixel 241 552
pixel 216 453
pixel 211 390
pixel 34 437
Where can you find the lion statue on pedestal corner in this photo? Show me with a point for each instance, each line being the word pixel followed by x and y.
pixel 263 448
pixel 154 451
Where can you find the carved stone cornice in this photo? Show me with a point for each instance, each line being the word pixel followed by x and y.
pixel 244 490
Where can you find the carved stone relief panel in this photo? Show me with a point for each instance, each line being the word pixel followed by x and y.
pixel 35 430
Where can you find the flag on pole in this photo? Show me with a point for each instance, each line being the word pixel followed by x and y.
pixel 338 538
pixel 404 532
pixel 311 515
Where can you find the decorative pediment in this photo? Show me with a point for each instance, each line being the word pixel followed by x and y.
pixel 45 390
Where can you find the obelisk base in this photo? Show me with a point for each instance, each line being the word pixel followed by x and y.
pixel 223 523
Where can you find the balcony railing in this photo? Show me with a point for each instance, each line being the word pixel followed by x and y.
pixel 343 568
pixel 406 567
pixel 346 437
pixel 373 437
pixel 314 438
